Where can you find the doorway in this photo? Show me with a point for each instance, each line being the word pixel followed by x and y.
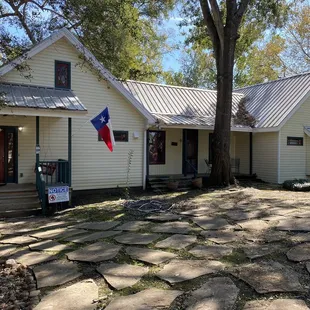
pixel 8 155
pixel 190 151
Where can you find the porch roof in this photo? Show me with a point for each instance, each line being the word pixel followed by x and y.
pixel 38 97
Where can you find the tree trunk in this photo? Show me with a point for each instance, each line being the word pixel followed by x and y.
pixel 221 174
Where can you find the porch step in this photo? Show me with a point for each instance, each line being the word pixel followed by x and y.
pixel 159 184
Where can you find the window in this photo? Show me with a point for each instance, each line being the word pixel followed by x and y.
pixel 119 136
pixel 62 74
pixel 157 147
pixel 297 141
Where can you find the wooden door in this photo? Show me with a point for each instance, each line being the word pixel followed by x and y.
pixel 190 151
pixel 2 166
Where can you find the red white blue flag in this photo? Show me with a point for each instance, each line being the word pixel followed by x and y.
pixel 102 122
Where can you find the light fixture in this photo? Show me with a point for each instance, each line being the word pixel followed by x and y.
pixel 20 128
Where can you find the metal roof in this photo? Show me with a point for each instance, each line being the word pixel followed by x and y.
pixel 27 96
pixel 176 100
pixel 272 102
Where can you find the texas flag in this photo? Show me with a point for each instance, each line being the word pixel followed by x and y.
pixel 102 123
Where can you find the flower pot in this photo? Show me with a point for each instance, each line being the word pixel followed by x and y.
pixel 173 185
pixel 197 183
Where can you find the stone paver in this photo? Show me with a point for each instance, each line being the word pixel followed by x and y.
pixel 164 217
pixel 93 236
pixel 176 242
pixel 149 256
pixel 149 299
pixel 6 250
pixel 259 250
pixel 55 273
pixel 98 225
pixel 133 225
pixel 182 270
pixel 240 215
pixel 20 240
pixel 268 276
pixel 95 252
pixel 201 211
pixel 299 238
pixel 223 236
pixel 215 294
pixel 277 304
pixel 78 296
pixel 299 252
pixel 308 267
pixel 58 233
pixel 210 251
pixel 173 228
pixel 32 258
pixel 253 225
pixel 296 224
pixel 211 223
pixel 137 238
pixel 120 276
pixel 48 245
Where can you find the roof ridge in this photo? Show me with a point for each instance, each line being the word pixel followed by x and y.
pixel 175 86
pixel 273 81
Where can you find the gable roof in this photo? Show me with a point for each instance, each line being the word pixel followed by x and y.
pixel 273 103
pixel 176 105
pixel 65 33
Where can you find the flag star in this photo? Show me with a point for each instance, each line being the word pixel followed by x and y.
pixel 102 119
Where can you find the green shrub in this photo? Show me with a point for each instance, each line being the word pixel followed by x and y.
pixel 302 185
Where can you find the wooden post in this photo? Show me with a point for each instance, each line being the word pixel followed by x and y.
pixel 70 149
pixel 37 140
pixel 251 153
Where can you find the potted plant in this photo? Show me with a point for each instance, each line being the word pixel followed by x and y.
pixel 173 184
pixel 197 182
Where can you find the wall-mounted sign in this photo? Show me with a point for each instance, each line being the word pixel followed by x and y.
pixel 38 149
pixel 58 194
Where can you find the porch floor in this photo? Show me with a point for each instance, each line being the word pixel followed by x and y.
pixel 13 187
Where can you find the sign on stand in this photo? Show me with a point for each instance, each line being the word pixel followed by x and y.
pixel 58 194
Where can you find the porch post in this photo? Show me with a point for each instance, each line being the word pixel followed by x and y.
pixel 147 148
pixel 251 153
pixel 70 149
pixel 37 140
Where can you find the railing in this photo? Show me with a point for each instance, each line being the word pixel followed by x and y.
pixel 40 182
pixel 55 171
pixel 188 163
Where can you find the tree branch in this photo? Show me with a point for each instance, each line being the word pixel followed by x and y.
pixel 240 12
pixel 217 18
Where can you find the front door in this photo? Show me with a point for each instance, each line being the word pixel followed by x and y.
pixel 8 155
pixel 190 151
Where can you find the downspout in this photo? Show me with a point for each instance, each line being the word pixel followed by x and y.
pixel 251 153
pixel 279 157
pixel 145 157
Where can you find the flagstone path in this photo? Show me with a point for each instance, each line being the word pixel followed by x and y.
pixel 215 254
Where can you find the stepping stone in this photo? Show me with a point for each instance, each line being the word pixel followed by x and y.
pixel 215 294
pixel 211 223
pixel 58 233
pixel 299 238
pixel 259 250
pixel 20 240
pixel 7 250
pixel 299 252
pixel 55 273
pixel 294 224
pixel 137 238
pixel 95 252
pixel 78 296
pixel 163 217
pixel 154 257
pixel 202 211
pixel 133 225
pixel 269 276
pixel 98 225
pixel 28 258
pixel 182 270
pixel 240 215
pixel 223 236
pixel 93 237
pixel 173 228
pixel 278 304
pixel 149 299
pixel 253 225
pixel 120 276
pixel 48 245
pixel 308 267
pixel 211 251
pixel 176 242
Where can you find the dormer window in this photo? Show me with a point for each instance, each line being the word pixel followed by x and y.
pixel 62 74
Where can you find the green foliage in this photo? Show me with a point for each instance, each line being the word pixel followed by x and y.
pixel 297 185
pixel 243 117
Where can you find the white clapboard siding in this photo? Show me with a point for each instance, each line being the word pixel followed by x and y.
pixel 265 156
pixel 93 165
pixel 294 158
